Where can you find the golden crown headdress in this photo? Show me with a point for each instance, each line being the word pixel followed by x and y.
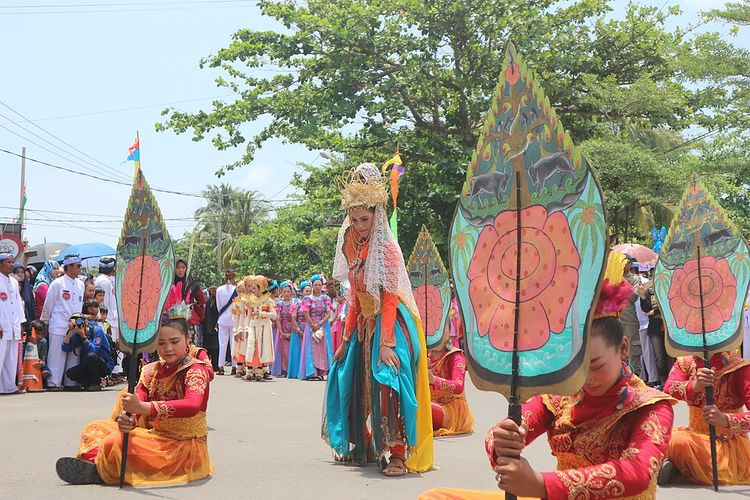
pixel 259 280
pixel 363 186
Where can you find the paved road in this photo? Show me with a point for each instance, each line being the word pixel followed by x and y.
pixel 264 442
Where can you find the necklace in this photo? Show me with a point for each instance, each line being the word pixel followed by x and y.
pixel 357 263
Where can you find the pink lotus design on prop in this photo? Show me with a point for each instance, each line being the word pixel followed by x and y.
pixel 719 294
pixel 549 278
pixel 149 296
pixel 432 315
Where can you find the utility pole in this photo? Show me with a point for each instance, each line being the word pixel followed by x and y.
pixel 22 197
pixel 218 232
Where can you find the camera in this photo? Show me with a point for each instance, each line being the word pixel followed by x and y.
pixel 79 321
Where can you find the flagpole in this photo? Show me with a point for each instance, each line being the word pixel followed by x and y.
pixel 22 200
pixel 133 369
pixel 138 142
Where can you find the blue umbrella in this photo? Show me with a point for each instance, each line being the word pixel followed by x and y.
pixel 87 251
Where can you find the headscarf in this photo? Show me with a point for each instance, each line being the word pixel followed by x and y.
pixel 189 287
pixel 45 275
pixel 384 267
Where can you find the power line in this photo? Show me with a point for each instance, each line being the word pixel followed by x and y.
pixel 79 227
pixel 137 9
pixel 107 168
pixel 46 149
pixel 91 176
pixel 61 212
pixel 132 108
pixel 124 4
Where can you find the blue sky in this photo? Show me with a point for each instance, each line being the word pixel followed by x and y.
pixel 93 79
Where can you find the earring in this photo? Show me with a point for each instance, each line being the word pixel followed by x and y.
pixel 187 350
pixel 626 371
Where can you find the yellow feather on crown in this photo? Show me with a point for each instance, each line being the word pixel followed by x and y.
pixel 363 186
pixel 615 289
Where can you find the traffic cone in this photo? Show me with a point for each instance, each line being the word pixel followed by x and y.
pixel 32 365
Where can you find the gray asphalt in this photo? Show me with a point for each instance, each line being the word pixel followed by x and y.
pixel 264 441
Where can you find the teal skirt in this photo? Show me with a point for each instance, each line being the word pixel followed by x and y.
pixel 391 394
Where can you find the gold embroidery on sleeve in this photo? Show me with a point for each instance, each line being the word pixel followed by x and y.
pixel 679 389
pixel 196 380
pixel 653 428
pixel 739 424
pixel 163 409
pixel 593 482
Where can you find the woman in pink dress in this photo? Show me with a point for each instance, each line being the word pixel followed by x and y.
pixel 287 328
pixel 316 345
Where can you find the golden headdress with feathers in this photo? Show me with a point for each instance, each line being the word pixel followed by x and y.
pixel 615 290
pixel 259 280
pixel 362 186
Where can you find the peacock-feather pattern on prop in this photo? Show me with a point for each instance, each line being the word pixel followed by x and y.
pixel 723 277
pixel 145 268
pixel 431 286
pixel 563 248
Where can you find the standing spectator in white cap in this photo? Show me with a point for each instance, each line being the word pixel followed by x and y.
pixel 64 298
pixel 106 281
pixel 11 317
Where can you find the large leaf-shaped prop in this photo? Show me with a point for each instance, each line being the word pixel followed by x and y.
pixel 145 268
pixel 530 203
pixel 705 296
pixel 432 289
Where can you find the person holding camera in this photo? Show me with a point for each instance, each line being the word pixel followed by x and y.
pixel 64 297
pixel 94 352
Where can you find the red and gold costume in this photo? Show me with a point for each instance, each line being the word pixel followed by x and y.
pixel 689 449
pixel 609 446
pixel 169 446
pixel 450 410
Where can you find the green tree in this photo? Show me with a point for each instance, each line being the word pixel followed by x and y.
pixel 423 73
pixel 236 211
pixel 358 77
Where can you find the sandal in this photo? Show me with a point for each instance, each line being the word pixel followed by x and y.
pixel 395 470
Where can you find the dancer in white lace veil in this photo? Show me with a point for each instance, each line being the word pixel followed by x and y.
pixel 378 397
pixel 384 267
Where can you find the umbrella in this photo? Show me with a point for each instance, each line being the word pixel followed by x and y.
pixel 45 252
pixel 87 251
pixel 644 255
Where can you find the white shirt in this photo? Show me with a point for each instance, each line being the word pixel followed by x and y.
pixel 223 294
pixel 107 283
pixel 11 308
pixel 642 318
pixel 64 298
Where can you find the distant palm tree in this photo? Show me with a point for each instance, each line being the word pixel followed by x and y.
pixel 238 211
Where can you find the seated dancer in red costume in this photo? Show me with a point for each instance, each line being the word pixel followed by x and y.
pixel 165 419
pixel 689 455
pixel 609 439
pixel 450 411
